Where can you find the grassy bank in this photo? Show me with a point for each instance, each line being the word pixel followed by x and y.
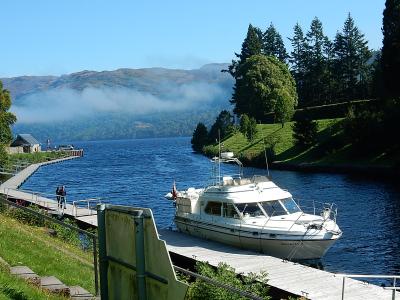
pixel 12 287
pixel 33 158
pixel 332 148
pixel 32 246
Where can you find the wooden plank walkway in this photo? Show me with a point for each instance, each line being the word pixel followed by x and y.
pixel 292 277
pixel 16 181
pixel 288 276
pixel 10 189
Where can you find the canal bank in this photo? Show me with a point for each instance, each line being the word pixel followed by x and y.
pixel 362 170
pixel 305 281
pixel 141 172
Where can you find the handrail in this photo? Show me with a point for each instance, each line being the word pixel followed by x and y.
pixel 75 207
pixel 394 288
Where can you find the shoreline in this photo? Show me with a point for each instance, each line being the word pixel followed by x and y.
pixel 366 170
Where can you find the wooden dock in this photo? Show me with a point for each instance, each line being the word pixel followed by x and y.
pixel 10 189
pixel 291 277
pixel 285 275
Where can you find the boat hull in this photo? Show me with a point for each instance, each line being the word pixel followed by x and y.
pixel 286 247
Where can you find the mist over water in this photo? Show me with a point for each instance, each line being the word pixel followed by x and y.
pixel 141 172
pixel 64 104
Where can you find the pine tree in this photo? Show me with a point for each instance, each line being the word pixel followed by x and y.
pixel 273 44
pixel 298 60
pixel 391 48
pixel 351 56
pixel 316 77
pixel 200 137
pixel 252 45
pixel 222 126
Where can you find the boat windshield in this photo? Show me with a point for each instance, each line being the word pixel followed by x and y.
pixel 273 208
pixel 290 205
pixel 250 209
pixel 280 207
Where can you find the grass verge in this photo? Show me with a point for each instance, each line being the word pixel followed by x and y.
pixel 21 244
pixel 12 287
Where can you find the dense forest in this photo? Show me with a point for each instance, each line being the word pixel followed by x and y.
pixel 323 73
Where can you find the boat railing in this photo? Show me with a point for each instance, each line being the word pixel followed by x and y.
pixel 238 179
pixel 326 210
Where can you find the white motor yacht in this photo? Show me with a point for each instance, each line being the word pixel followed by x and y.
pixel 254 213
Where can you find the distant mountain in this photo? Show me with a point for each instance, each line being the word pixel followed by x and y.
pixel 125 103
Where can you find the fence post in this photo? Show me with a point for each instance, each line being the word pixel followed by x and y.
pixel 344 281
pixel 394 289
pixel 96 272
pixel 140 256
pixel 101 220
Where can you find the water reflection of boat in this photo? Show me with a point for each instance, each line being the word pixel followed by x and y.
pixel 254 213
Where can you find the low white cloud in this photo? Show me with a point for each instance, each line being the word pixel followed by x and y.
pixel 66 104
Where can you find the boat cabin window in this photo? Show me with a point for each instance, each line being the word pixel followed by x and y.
pixel 252 209
pixel 213 208
pixel 229 211
pixel 290 205
pixel 273 208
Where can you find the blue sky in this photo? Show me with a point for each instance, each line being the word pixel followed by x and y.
pixel 47 37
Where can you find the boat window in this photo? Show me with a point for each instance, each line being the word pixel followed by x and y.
pixel 228 211
pixel 213 208
pixel 290 205
pixel 252 209
pixel 273 208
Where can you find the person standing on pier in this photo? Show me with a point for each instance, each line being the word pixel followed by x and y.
pixel 58 196
pixel 63 194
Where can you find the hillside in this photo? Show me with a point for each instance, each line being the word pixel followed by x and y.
pixel 125 103
pixel 331 152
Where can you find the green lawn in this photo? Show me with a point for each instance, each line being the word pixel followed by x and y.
pixel 32 158
pixel 280 137
pixel 31 246
pixel 332 147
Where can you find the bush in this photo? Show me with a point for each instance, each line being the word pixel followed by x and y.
pixel 25 217
pixel 364 129
pixel 305 132
pixel 64 233
pixel 252 283
pixel 248 127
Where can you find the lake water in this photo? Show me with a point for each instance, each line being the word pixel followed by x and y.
pixel 141 172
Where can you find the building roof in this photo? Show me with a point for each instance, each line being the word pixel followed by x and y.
pixel 26 139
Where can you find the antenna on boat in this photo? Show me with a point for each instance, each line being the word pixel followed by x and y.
pixel 265 153
pixel 219 157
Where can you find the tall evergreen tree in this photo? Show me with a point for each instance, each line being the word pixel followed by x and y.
pixel 391 48
pixel 222 127
pixel 200 137
pixel 252 45
pixel 316 77
pixel 273 44
pixel 351 56
pixel 297 60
